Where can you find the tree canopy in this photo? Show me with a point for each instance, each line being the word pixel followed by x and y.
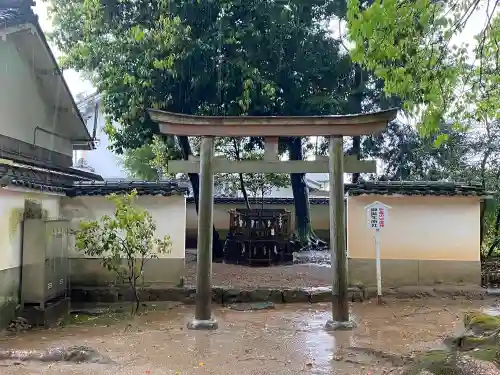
pixel 223 57
pixel 415 47
pixel 220 57
pixel 259 57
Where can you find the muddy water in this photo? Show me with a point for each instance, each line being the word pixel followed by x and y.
pixel 287 340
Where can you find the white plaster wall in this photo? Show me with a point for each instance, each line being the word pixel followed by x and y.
pixel 422 228
pixel 320 218
pixel 22 106
pixel 169 214
pixel 11 205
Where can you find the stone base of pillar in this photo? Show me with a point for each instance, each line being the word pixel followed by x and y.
pixel 203 325
pixel 332 325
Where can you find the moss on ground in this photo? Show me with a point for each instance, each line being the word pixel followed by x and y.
pixel 481 323
pixel 107 318
pixel 437 362
pixel 489 354
pixel 478 344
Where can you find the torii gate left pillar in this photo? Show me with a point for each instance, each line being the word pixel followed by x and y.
pixel 334 127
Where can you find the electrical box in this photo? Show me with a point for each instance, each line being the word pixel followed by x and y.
pixel 45 267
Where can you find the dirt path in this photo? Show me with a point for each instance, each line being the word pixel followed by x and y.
pixel 287 340
pixel 297 275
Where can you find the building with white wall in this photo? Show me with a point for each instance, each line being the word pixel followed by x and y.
pixel 40 127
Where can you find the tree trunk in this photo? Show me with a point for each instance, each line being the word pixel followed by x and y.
pixel 356 150
pixel 194 178
pixel 304 233
pixel 357 107
pixel 244 191
pixel 137 301
pixel 483 184
pixel 133 286
pixel 242 182
pixel 495 236
pixel 482 213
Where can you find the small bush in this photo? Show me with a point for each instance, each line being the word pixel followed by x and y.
pixel 124 242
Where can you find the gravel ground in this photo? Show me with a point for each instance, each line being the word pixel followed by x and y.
pixel 297 275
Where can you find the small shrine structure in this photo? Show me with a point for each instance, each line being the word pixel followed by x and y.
pixel 271 128
pixel 259 237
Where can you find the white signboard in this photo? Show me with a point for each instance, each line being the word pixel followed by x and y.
pixel 377 214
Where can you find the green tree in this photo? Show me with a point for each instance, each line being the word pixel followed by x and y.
pixel 226 57
pixel 406 155
pixel 150 161
pixel 138 163
pixel 124 242
pixel 470 155
pixel 262 184
pixel 484 166
pixel 231 148
pixel 412 46
pixel 366 91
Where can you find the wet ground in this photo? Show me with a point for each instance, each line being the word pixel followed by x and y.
pixel 312 270
pixel 289 339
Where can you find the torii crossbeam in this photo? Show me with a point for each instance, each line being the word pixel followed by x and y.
pixel 272 127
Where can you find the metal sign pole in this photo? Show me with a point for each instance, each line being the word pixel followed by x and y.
pixel 377 214
pixel 379 271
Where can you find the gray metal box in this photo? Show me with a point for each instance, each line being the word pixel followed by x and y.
pixel 45 261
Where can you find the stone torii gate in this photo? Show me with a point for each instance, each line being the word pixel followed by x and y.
pixel 271 128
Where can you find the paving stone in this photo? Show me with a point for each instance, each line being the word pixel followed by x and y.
pixel 252 306
pixel 321 294
pixel 295 295
pixel 356 294
pixel 468 291
pixel 415 292
pixel 217 295
pixel 236 296
pixel 106 295
pixel 263 295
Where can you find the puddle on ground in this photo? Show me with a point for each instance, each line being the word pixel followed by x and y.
pixel 321 346
pixel 313 257
pixel 493 310
pixel 289 339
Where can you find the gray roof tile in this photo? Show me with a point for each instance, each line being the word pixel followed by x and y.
pixel 16 12
pixel 102 188
pixel 420 188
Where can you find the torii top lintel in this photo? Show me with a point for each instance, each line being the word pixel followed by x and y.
pixel 272 126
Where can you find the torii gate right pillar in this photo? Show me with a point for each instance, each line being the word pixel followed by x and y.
pixel 340 306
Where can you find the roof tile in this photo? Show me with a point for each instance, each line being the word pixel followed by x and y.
pixel 102 188
pixel 16 12
pixel 420 188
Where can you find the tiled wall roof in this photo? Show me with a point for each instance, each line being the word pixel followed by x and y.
pixel 166 188
pixel 436 188
pixel 101 188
